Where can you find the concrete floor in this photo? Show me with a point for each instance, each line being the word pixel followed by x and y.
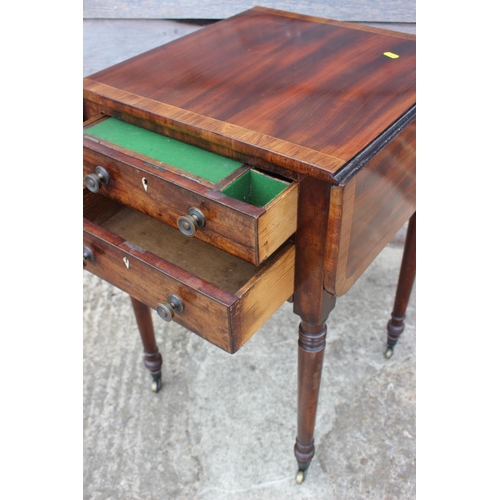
pixel 223 427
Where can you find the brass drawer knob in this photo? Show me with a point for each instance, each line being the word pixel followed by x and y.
pixel 190 223
pixel 167 310
pixel 95 181
pixel 88 256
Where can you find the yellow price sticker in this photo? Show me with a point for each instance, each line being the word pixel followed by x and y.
pixel 391 55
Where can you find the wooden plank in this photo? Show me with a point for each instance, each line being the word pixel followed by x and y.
pixel 322 20
pixel 410 28
pixel 359 10
pixel 109 41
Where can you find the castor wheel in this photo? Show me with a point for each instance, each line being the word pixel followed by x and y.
pixel 156 385
pixel 389 352
pixel 301 475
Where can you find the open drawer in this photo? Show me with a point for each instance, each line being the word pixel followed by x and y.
pixel 215 199
pixel 220 297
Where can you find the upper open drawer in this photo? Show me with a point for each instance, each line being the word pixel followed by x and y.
pixel 245 212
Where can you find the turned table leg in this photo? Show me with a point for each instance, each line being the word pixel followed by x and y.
pixel 310 364
pixel 152 357
pixel 313 304
pixel 396 324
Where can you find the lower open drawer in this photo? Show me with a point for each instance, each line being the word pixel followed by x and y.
pixel 222 298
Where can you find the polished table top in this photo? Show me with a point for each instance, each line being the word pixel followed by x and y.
pixel 307 94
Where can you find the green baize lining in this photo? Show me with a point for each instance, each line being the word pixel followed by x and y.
pixel 191 159
pixel 255 188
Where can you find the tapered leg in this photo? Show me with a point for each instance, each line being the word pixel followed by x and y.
pixel 310 364
pixel 313 304
pixel 152 357
pixel 396 324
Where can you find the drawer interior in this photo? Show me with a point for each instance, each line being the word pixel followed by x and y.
pixel 255 188
pixel 191 159
pixel 195 256
pixel 252 187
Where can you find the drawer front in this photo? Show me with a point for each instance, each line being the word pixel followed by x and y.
pixel 166 200
pixel 225 318
pixel 234 225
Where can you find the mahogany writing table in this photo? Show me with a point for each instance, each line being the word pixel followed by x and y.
pixel 265 158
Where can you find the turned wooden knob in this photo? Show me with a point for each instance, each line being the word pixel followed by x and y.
pixel 88 256
pixel 167 310
pixel 190 223
pixel 96 180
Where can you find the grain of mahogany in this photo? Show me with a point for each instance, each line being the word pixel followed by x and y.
pixel 369 209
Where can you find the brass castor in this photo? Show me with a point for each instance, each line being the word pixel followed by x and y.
pixel 156 385
pixel 389 352
pixel 301 475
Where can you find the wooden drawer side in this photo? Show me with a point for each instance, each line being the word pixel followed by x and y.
pixel 278 223
pixel 262 296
